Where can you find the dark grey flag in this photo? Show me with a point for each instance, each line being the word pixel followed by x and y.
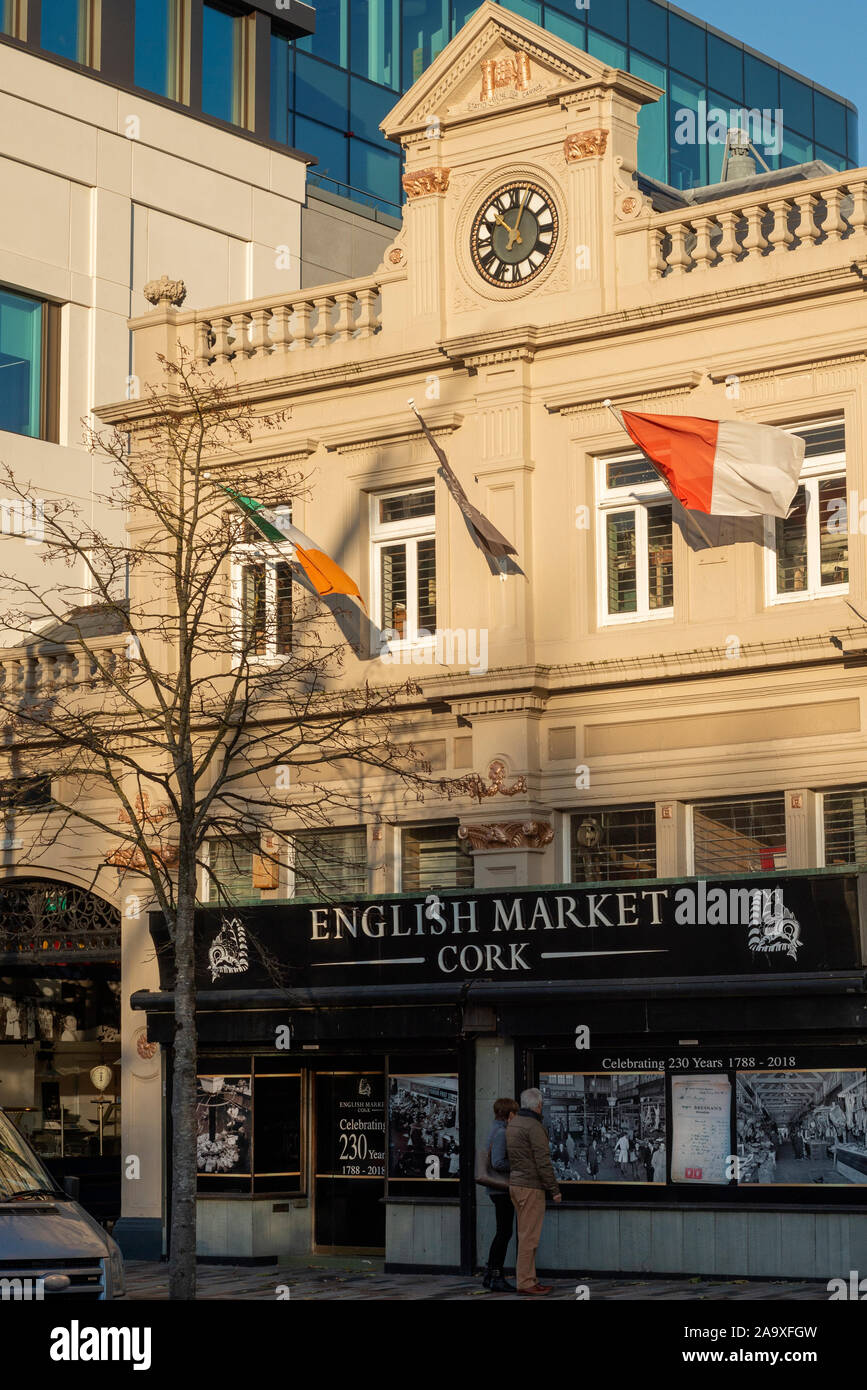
pixel 484 531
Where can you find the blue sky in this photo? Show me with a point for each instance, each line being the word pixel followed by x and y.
pixel 825 42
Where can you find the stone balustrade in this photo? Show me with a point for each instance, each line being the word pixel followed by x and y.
pixel 769 222
pixel 36 673
pixel 327 315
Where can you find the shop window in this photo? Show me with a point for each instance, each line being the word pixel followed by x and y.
pixel 635 541
pixel 432 857
pixel 229 879
pixel 263 595
pixel 610 844
pixel 157 46
pixel 330 863
pixel 845 825
pixel 66 28
pixel 423 1129
pixel 808 551
pixel 29 378
pixel 223 63
pixel 404 563
pixel 741 835
pixel 248 1126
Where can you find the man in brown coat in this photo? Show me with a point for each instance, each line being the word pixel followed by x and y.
pixel 531 1174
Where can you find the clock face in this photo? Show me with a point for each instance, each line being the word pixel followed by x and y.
pixel 514 234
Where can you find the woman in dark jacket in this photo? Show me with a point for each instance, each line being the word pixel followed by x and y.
pixel 504 1109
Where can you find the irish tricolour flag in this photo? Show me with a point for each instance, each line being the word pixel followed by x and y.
pixel 323 573
pixel 721 467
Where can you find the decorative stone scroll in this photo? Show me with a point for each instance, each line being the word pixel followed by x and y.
pixel 586 144
pixel 515 834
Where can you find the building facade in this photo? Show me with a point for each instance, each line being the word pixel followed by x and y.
pixel 652 906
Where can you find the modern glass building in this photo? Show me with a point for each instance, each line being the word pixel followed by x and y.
pixel 330 90
pixel 256 65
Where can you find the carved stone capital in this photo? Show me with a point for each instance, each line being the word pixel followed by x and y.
pixel 165 291
pixel 426 181
pixel 510 834
pixel 586 144
pixel 132 857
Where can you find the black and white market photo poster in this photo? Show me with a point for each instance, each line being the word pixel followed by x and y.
pixel 701 1129
pixel 802 1127
pixel 223 1112
pixel 605 1127
pixel 423 1128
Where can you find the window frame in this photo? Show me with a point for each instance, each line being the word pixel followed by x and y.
pixel 636 499
pixel 243 60
pixel 48 363
pixel 244 555
pixel 570 850
pixel 826 466
pixel 383 533
pixel 210 896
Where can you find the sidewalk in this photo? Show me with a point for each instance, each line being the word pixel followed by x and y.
pixel 364 1279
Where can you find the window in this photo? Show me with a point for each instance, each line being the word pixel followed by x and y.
pixel 648 28
pixel 230 870
pixel 281 89
pixel 425 34
pixel 249 1125
pixel 741 835
pixel 331 39
pixel 404 562
pixel 808 552
pixel 263 596
pixel 24 794
pixel 28 365
pixel 432 857
pixel 616 843
pixel 65 29
pixel 846 826
pixel 222 63
pixel 13 18
pixel 330 863
pixel 157 46
pixel 636 575
pixel 375 41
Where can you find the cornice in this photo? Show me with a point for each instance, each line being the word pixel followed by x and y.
pixel 354 438
pixel 767 364
pixel 572 402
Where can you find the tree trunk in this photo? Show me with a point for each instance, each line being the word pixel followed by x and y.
pixel 182 1257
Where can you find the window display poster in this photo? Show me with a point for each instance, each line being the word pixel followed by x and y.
pixel 423 1127
pixel 604 1126
pixel 701 1145
pixel 802 1127
pixel 350 1124
pixel 223 1115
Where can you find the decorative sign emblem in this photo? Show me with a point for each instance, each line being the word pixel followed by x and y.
pixel 228 953
pixel 774 927
pixel 364 1087
pixel 514 73
pixel 101 1077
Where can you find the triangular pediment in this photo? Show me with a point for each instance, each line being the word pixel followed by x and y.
pixel 499 59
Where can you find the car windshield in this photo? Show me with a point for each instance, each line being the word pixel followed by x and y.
pixel 21 1173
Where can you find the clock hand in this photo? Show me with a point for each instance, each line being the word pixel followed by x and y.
pixel 515 234
pixel 503 223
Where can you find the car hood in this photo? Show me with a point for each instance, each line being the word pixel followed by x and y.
pixel 60 1230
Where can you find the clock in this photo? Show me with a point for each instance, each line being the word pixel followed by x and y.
pixel 514 234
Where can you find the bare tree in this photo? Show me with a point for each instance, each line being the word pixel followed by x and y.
pixel 175 708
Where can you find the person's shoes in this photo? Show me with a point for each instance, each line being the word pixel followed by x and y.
pixel 499 1284
pixel 486 1282
pixel 536 1289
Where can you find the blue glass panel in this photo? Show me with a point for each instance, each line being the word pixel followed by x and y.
pixel 606 50
pixel 565 28
pixel 830 123
pixel 609 16
pixel 720 117
pixel 797 149
pixel 281 89
pixel 831 157
pixel 374 45
pixel 154 46
pixel 852 128
pixel 62 28
pixel 7 15
pixel 321 92
pixel 530 9
pixel 461 12
pixel 425 34
pixel 763 130
pixel 220 39
pixel 568 7
pixel 725 67
pixel 20 363
pixel 652 121
pixel 329 147
pixel 687 134
pixel 686 47
pixel 648 29
pixel 796 102
pixel 761 84
pixel 367 106
pixel 331 39
pixel 375 170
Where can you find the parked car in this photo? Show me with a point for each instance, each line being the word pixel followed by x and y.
pixel 49 1246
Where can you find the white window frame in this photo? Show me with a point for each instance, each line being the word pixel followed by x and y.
pixel 814 471
pixel 636 499
pixel 206 886
pixel 270 554
pixel 384 533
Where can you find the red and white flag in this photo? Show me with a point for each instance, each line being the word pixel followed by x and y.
pixel 721 467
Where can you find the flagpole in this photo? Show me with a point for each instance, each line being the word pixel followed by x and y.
pixel 691 516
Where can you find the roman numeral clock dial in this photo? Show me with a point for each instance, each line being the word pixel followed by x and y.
pixel 514 234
